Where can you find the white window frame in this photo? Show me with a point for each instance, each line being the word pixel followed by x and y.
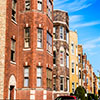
pixel 73 87
pixel 72 48
pixel 73 67
pixel 26 76
pixel 62 57
pixel 62 83
pixel 39 76
pixel 39 5
pixel 61 32
pixel 67 60
pixel 39 38
pixel 26 37
pixel 27 5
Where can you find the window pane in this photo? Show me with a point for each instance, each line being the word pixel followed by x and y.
pixel 39 38
pixel 27 4
pixel 39 72
pixel 26 72
pixel 38 82
pixel 39 5
pixel 27 38
pixel 26 82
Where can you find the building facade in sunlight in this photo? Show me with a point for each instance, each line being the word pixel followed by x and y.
pixel 80 63
pixel 26 56
pixel 73 58
pixel 3 4
pixel 87 75
pixel 60 53
pixel 95 81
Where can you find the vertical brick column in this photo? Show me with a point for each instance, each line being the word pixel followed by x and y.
pixel 2 44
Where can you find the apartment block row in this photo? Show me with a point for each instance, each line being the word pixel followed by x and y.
pixel 40 58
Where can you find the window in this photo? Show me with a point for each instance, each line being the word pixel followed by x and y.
pixel 39 4
pixel 14 9
pixel 67 60
pixel 54 83
pixel 79 74
pixel 73 87
pixel 39 76
pixel 67 84
pixel 61 83
pixel 49 42
pixel 54 57
pixel 13 42
pixel 72 48
pixel 67 36
pixel 26 76
pixel 39 38
pixel 61 32
pixel 27 4
pixel 79 58
pixel 61 58
pixel 73 68
pixel 49 78
pixel 77 69
pixel 83 64
pixel 54 32
pixel 83 78
pixel 87 80
pixel 49 8
pixel 27 37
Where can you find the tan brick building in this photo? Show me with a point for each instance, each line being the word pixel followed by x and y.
pixel 61 53
pixel 73 58
pixel 26 31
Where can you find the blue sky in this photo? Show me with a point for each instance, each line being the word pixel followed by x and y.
pixel 84 16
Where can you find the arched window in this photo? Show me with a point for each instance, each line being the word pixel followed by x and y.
pixel 61 56
pixel 12 88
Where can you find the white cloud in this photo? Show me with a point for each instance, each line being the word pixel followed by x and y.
pixel 75 18
pixel 93 23
pixel 92 44
pixel 72 6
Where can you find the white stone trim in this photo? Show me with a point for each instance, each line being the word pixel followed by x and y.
pixel 12 81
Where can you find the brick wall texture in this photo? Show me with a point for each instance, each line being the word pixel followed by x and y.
pixel 2 44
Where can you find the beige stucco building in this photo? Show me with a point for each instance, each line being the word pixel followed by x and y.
pixel 73 58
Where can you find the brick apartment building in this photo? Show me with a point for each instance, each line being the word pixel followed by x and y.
pixel 95 87
pixel 80 63
pixel 61 53
pixel 87 75
pixel 26 57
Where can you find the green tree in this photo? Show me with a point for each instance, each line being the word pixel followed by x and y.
pixel 80 93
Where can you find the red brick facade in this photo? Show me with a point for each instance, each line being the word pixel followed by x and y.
pixel 32 56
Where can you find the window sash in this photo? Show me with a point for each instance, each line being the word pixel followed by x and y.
pixel 39 6
pixel 73 67
pixel 61 58
pixel 27 37
pixel 49 42
pixel 26 82
pixel 61 83
pixel 39 38
pixel 61 32
pixel 27 4
pixel 39 82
